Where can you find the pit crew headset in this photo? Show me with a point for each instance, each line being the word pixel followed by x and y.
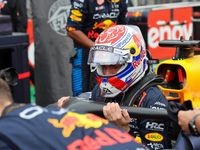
pixel 119 44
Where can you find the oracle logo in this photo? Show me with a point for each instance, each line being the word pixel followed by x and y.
pixel 157 34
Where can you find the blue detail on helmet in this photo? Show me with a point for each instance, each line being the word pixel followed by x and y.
pixel 105 80
pixel 129 79
pixel 144 64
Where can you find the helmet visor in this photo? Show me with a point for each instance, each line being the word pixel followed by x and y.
pixel 109 56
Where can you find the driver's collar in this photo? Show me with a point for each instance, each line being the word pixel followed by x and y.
pixel 12 107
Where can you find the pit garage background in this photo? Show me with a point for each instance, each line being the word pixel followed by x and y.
pixel 49 46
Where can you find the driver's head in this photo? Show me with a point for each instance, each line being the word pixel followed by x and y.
pixel 119 58
pixel 109 70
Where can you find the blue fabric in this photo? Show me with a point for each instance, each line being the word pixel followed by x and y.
pixel 80 72
pixel 154 99
pixel 95 18
pixel 77 73
pixel 32 127
pixel 181 143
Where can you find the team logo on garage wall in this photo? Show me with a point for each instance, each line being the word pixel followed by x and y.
pixel 57 16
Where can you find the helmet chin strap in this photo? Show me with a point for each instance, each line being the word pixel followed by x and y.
pixel 106 99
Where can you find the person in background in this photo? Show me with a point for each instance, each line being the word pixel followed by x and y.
pixel 31 127
pixel 87 19
pixel 19 11
pixel 16 9
pixel 120 59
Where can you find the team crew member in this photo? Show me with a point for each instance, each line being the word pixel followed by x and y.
pixel 16 9
pixel 31 127
pixel 190 121
pixel 87 19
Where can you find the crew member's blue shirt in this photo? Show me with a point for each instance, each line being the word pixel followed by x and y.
pixel 94 16
pixel 31 127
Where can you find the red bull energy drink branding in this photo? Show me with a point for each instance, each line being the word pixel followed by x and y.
pixel 102 134
pixel 72 120
pixel 105 24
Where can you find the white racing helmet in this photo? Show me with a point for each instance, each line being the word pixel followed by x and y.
pixel 119 44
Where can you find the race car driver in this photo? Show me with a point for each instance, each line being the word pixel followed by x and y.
pixel 119 57
pixel 121 61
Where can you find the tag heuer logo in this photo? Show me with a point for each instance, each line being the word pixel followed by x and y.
pixel 107 91
pixel 57 16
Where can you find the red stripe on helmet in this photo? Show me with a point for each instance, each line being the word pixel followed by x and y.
pixel 116 82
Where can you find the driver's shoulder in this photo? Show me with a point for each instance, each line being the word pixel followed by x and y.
pixel 154 96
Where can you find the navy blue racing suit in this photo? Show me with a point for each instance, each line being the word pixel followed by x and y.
pixel 91 17
pixel 154 134
pixel 31 127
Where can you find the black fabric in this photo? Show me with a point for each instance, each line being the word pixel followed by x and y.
pixel 93 81
pixel 186 141
pixel 17 10
pixel 136 90
pixel 9 143
pixel 5 25
pixel 52 53
pixel 174 107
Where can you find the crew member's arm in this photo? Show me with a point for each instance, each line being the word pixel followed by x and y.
pixel 118 117
pixel 184 117
pixel 62 100
pixel 80 38
pixel 75 23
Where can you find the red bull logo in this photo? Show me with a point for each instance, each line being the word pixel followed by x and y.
pixel 134 14
pixel 104 25
pixel 92 34
pixel 105 137
pixel 72 120
pixel 70 28
pixel 116 1
pixel 139 59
